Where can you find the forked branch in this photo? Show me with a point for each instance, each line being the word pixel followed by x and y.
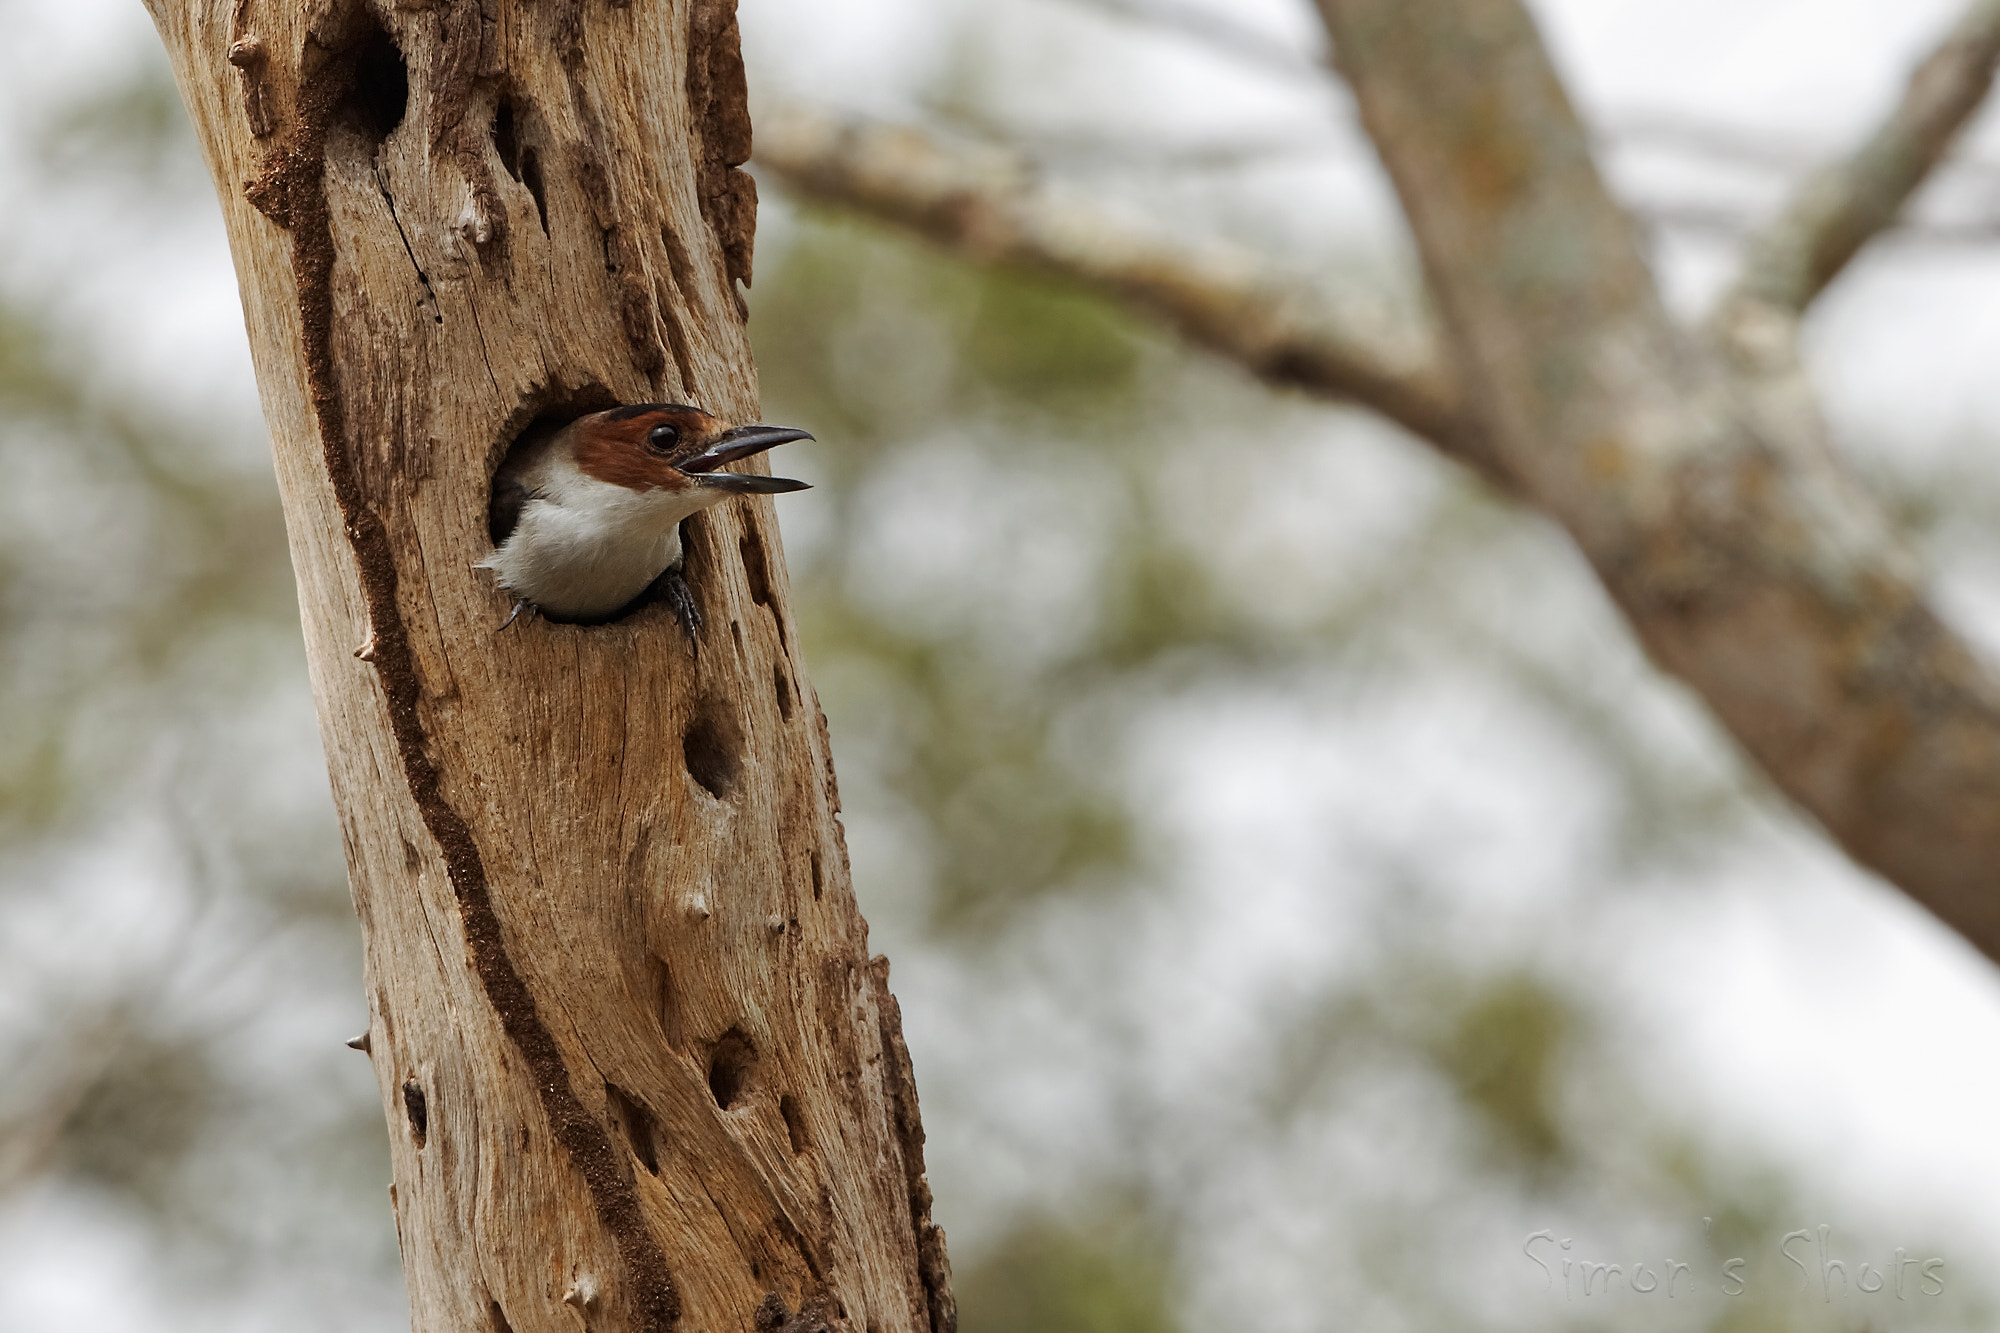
pixel 1850 202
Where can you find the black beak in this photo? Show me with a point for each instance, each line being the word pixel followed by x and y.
pixel 738 483
pixel 743 442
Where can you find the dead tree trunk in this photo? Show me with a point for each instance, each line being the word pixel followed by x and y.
pixel 638 1067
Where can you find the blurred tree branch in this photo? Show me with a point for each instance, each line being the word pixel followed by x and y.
pixel 1212 29
pixel 1711 505
pixel 989 206
pixel 1850 202
pixel 1695 474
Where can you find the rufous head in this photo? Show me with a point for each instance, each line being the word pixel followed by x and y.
pixel 674 447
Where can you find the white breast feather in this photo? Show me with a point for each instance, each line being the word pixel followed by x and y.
pixel 585 548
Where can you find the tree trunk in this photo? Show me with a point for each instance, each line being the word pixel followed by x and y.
pixel 638 1067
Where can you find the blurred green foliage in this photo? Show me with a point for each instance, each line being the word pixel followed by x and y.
pixel 136 128
pixel 1004 759
pixel 1501 1049
pixel 129 549
pixel 1050 1275
pixel 1007 763
pixel 976 747
pixel 134 1124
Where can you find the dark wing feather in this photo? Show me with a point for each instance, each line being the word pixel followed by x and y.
pixel 503 515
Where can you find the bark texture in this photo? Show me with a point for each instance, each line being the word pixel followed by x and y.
pixel 639 1069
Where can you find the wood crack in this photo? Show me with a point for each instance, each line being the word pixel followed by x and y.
pixel 388 199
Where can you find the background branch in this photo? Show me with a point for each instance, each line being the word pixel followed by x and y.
pixel 1748 562
pixel 988 205
pixel 1844 206
pixel 1212 29
pixel 1737 224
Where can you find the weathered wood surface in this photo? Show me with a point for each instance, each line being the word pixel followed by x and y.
pixel 638 1067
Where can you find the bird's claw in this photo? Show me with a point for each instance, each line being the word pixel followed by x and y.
pixel 675 592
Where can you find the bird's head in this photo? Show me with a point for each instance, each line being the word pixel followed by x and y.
pixel 675 448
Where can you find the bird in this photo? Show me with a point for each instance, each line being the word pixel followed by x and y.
pixel 586 518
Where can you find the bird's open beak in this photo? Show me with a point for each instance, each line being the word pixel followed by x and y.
pixel 743 442
pixel 738 483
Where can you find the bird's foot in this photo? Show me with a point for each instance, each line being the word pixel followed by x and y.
pixel 674 591
pixel 520 604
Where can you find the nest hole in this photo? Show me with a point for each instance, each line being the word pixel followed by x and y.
pixel 540 415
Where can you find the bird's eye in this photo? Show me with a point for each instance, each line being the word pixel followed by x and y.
pixel 662 439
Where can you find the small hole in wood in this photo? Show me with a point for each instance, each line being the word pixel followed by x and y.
pixel 380 93
pixel 531 176
pixel 507 137
pixel 496 1318
pixel 819 878
pixel 795 1122
pixel 664 1003
pixel 712 750
pixel 729 1068
pixel 641 1130
pixel 417 1110
pixel 757 572
pixel 756 567
pixel 783 689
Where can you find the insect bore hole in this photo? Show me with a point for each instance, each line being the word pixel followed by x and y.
pixel 729 1067
pixel 795 1123
pixel 417 1110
